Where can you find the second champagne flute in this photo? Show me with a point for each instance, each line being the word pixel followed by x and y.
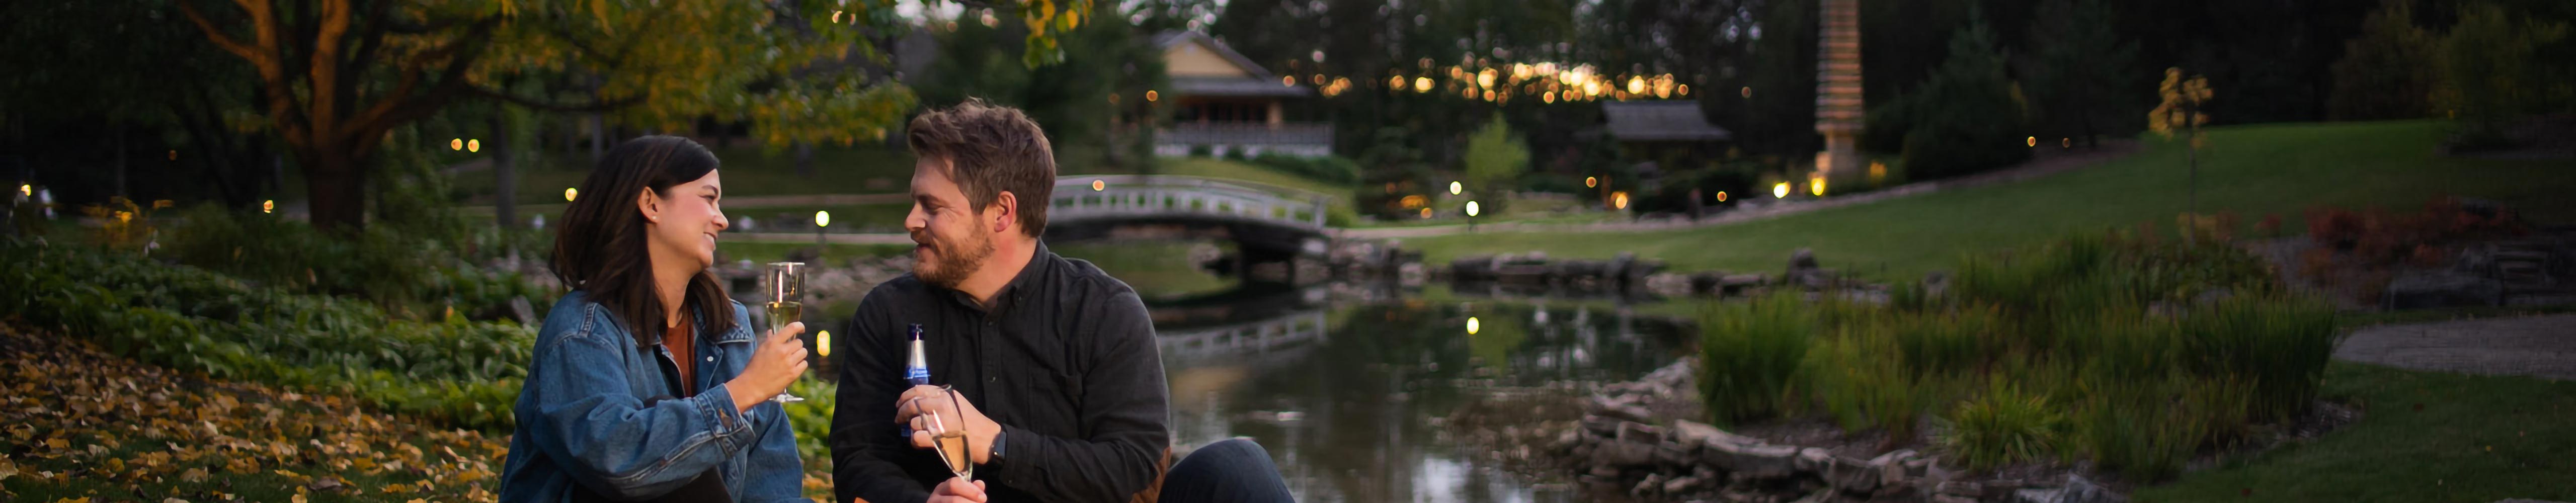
pixel 785 282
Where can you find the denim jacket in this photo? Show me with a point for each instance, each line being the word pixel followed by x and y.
pixel 583 424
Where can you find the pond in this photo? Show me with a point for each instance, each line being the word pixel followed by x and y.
pixel 1346 385
pixel 1344 392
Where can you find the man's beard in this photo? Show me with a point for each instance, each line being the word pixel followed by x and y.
pixel 956 260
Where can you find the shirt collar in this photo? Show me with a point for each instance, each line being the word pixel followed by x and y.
pixel 1040 263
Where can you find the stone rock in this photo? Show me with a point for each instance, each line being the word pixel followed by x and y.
pixel 1654 482
pixel 1966 489
pixel 1682 484
pixel 1891 467
pixel 1815 460
pixel 2416 290
pixel 1605 472
pixel 1755 462
pixel 1624 454
pixel 1945 498
pixel 1802 259
pixel 1668 284
pixel 1640 433
pixel 1676 454
pixel 1854 476
pixel 1695 433
pixel 2076 490
pixel 1566 440
pixel 1601 426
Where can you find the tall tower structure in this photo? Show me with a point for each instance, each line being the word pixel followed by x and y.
pixel 1838 93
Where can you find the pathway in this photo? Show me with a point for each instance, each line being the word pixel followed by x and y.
pixel 2538 346
pixel 1752 211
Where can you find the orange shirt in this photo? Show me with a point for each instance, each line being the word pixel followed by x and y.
pixel 676 340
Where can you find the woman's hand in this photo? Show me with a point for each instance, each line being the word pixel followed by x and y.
pixel 958 490
pixel 776 361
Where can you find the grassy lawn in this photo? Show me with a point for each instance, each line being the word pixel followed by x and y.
pixel 2252 170
pixel 1156 269
pixel 1221 168
pixel 2427 436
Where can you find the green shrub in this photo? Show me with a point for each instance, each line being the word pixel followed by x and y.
pixel 2003 425
pixel 2129 352
pixel 1201 151
pixel 455 372
pixel 1749 354
pixel 415 278
pixel 1330 169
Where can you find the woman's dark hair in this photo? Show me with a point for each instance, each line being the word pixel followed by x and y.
pixel 601 249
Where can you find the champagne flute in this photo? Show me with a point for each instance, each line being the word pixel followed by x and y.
pixel 950 443
pixel 785 282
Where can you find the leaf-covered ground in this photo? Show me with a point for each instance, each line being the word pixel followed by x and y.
pixel 80 425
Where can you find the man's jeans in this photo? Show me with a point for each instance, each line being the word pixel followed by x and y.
pixel 1235 470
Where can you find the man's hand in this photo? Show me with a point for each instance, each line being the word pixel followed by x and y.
pixel 911 407
pixel 958 490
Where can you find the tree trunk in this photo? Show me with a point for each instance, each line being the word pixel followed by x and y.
pixel 598 137
pixel 805 160
pixel 337 190
pixel 505 173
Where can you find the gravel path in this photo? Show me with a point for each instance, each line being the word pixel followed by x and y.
pixel 2538 346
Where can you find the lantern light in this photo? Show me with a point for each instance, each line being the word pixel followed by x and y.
pixel 1471 208
pixel 2032 141
pixel 1472 325
pixel 823 343
pixel 268 206
pixel 569 192
pixel 1455 188
pixel 1619 200
pixel 1816 185
pixel 1097 185
pixel 1780 190
pixel 456 144
pixel 1151 96
pixel 822 219
pixel 475 145
pixel 1591 181
pixel 1721 196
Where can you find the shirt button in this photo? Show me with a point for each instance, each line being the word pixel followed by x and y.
pixel 992 379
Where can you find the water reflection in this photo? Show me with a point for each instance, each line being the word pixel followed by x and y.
pixel 1342 390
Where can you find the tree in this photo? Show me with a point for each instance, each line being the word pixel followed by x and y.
pixel 1495 160
pixel 1092 103
pixel 2492 72
pixel 336 75
pixel 2076 68
pixel 1967 116
pixel 2181 113
pixel 2388 71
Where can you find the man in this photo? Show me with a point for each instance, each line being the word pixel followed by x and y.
pixel 1058 387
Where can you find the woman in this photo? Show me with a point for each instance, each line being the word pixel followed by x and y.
pixel 647 383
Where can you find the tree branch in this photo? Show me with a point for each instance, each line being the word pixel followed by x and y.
pixel 216 34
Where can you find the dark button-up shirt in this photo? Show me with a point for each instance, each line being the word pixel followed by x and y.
pixel 1063 358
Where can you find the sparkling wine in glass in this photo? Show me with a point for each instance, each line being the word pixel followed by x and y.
pixel 785 282
pixel 950 443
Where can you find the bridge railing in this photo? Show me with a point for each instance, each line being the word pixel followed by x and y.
pixel 1242 339
pixel 1137 195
